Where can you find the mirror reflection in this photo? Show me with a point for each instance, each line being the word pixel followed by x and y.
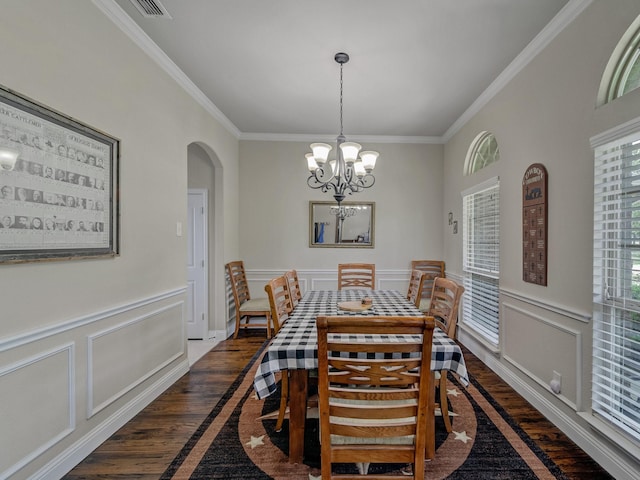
pixel 349 225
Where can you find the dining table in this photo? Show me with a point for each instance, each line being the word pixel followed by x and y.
pixel 294 350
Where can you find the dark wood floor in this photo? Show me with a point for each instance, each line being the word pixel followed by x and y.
pixel 145 446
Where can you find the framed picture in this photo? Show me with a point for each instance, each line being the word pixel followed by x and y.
pixel 350 225
pixel 59 200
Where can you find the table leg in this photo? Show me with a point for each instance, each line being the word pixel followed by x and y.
pixel 431 421
pixel 297 413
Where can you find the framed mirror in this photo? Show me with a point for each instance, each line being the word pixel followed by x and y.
pixel 349 226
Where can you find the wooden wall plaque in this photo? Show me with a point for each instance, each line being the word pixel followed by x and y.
pixel 534 224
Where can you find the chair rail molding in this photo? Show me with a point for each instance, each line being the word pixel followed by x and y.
pixel 49 331
pixel 563 310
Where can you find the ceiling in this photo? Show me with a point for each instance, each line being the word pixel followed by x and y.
pixel 416 66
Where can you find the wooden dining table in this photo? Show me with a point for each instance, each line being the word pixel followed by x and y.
pixel 295 349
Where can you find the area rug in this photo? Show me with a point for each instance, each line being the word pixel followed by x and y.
pixel 234 443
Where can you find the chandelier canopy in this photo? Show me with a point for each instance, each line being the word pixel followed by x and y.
pixel 348 173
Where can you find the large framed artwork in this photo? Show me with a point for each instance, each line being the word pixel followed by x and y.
pixel 349 225
pixel 60 199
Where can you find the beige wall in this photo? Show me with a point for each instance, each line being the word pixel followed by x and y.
pixel 547 114
pixel 274 208
pixel 64 324
pixel 67 321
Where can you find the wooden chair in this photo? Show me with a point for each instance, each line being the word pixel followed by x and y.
pixel 280 303
pixel 414 294
pixel 445 300
pixel 432 269
pixel 374 410
pixel 356 275
pixel 246 307
pixel 294 286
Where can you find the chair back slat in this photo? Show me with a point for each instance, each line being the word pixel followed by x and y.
pixel 294 286
pixel 356 275
pixel 239 285
pixel 416 285
pixel 279 300
pixel 432 269
pixel 445 301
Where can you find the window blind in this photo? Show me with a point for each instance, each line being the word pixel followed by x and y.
pixel 616 283
pixel 481 258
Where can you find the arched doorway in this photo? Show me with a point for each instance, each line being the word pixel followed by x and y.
pixel 205 269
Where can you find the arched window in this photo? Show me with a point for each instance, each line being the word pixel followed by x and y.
pixel 482 152
pixel 623 70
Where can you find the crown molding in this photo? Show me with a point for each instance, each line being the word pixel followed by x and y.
pixel 120 18
pixel 567 15
pixel 308 137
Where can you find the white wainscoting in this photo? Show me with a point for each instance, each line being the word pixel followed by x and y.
pixel 325 279
pixel 114 372
pixel 46 406
pixel 539 346
pixel 125 357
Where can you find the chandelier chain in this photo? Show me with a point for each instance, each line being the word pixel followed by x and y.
pixel 341 99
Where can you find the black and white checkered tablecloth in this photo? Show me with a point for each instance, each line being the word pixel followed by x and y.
pixel 296 344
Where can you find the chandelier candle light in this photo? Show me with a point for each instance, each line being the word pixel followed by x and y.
pixel 348 173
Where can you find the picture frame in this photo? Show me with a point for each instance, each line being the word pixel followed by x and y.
pixel 60 199
pixel 350 225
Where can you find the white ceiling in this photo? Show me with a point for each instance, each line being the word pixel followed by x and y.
pixel 416 65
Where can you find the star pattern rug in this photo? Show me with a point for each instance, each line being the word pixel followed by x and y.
pixel 238 441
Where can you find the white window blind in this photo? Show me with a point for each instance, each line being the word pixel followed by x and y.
pixel 481 258
pixel 616 283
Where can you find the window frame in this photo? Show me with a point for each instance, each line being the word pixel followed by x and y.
pixel 472 162
pixel 630 58
pixel 481 260
pixel 616 313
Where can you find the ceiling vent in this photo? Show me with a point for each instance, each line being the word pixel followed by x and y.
pixel 151 9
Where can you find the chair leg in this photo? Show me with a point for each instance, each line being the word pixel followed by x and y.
pixel 268 326
pixel 238 320
pixel 284 399
pixel 444 402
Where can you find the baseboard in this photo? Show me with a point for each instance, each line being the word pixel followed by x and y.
pixel 217 336
pixel 68 459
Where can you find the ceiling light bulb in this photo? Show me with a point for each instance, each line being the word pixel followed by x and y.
pixel 312 165
pixel 369 160
pixel 350 151
pixel 321 152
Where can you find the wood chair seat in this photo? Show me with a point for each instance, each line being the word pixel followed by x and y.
pixel 254 305
pixel 424 304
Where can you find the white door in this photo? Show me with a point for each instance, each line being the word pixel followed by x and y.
pixel 197 299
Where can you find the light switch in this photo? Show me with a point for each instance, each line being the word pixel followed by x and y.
pixel 179 229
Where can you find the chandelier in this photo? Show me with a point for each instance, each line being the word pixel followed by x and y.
pixel 348 173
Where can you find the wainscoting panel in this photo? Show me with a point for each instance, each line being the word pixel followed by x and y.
pixel 325 280
pixel 123 356
pixel 539 346
pixel 46 406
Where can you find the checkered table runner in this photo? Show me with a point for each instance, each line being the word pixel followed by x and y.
pixel 296 344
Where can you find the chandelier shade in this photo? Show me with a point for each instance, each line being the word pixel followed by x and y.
pixel 350 171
